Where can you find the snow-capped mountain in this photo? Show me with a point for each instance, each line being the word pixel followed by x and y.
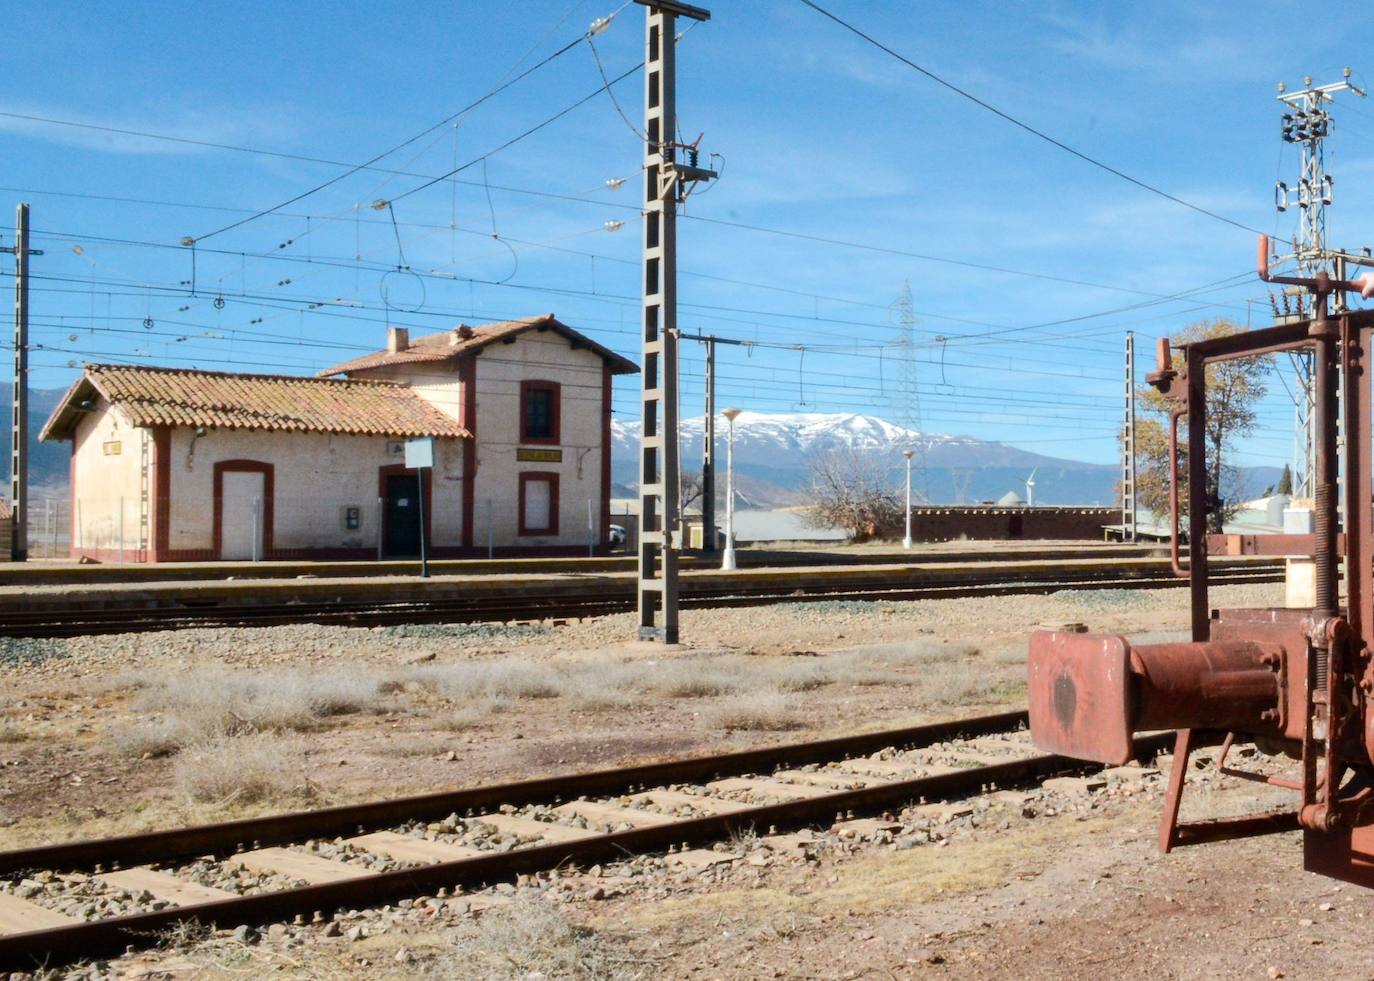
pixel 799 432
pixel 772 451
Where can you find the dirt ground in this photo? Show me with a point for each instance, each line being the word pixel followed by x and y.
pixel 1057 885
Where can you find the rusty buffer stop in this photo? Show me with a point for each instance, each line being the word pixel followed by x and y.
pixel 1294 681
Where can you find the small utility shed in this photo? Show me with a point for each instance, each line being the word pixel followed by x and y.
pixel 171 464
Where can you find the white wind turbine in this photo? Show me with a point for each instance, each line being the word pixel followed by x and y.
pixel 1030 489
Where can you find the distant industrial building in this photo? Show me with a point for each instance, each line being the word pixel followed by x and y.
pixel 177 465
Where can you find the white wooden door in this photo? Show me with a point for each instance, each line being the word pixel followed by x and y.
pixel 240 520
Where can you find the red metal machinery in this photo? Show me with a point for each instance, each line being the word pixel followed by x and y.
pixel 1299 682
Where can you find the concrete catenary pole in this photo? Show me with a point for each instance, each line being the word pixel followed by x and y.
pixel 666 183
pixel 19 429
pixel 1128 455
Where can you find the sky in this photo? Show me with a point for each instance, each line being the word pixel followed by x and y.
pixel 855 175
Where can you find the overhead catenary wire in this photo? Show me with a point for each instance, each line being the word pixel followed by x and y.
pixel 1040 134
pixel 489 94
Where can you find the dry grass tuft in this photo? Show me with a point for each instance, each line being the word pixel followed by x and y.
pixel 246 769
pixel 12 733
pixel 150 739
pixel 605 684
pixel 465 715
pixel 695 677
pixel 532 938
pixel 506 678
pixel 212 703
pixel 761 710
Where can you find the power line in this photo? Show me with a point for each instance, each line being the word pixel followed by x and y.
pixel 615 298
pixel 489 94
pixel 1026 126
pixel 516 139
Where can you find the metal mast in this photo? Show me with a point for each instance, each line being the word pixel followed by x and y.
pixel 1128 525
pixel 1307 122
pixel 907 395
pixel 666 183
pixel 19 429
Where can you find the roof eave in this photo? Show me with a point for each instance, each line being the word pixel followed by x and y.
pixel 61 425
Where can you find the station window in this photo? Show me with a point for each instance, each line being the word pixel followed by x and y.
pixel 539 412
pixel 538 503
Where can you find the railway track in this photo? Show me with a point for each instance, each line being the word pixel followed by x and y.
pixel 570 597
pixel 309 866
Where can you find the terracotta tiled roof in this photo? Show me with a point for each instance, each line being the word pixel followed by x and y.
pixel 468 340
pixel 290 403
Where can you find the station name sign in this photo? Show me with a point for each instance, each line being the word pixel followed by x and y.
pixel 528 454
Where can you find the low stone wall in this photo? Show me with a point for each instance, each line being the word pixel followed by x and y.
pixel 943 524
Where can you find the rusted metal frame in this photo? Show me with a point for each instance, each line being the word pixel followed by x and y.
pixel 1359 483
pixel 1179 570
pixel 1265 778
pixel 1227 829
pixel 104 938
pixel 226 837
pixel 1252 343
pixel 1327 708
pixel 1173 835
pixel 1173 797
pixel 1196 375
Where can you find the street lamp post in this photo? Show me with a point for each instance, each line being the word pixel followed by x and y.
pixel 727 562
pixel 906 542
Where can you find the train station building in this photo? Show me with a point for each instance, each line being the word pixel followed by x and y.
pixel 172 464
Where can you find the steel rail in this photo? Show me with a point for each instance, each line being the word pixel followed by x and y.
pixel 347 819
pixel 569 605
pixel 104 938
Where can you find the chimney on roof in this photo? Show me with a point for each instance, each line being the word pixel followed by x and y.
pixel 397 339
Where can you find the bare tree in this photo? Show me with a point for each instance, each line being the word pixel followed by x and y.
pixel 1234 389
pixel 689 490
pixel 851 490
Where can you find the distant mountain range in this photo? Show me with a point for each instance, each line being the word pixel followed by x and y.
pixel 49 463
pixel 773 450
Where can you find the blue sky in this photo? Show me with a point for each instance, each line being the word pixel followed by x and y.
pixel 820 135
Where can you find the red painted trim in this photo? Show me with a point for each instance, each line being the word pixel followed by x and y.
pixel 162 494
pixel 268 501
pixel 74 532
pixel 340 554
pixel 555 410
pixel 527 477
pixel 606 384
pixel 467 377
pixel 426 490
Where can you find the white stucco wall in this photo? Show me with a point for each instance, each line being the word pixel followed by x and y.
pixel 437 382
pixel 108 490
pixel 317 476
pixel 542 356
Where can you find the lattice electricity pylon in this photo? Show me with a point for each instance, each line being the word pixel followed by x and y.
pixel 1307 123
pixel 906 393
